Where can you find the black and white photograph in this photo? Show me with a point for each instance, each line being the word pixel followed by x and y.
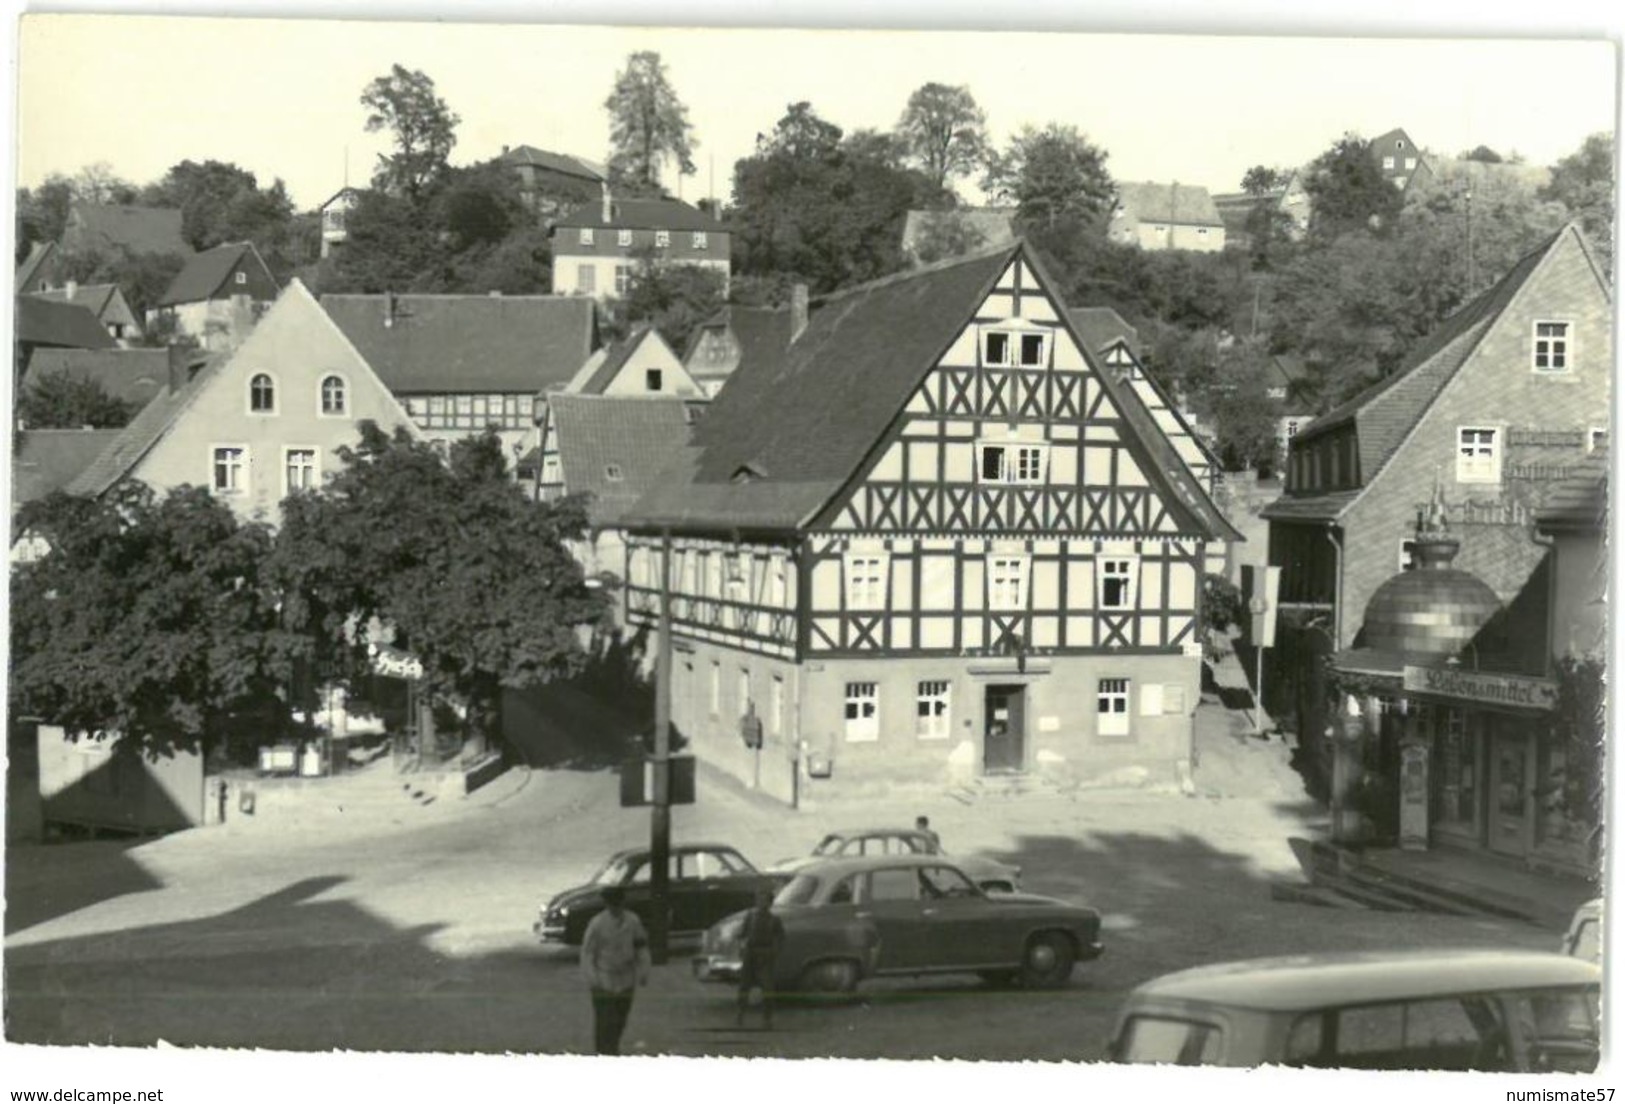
pixel 1026 554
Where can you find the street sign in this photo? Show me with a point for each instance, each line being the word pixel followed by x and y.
pixel 1262 586
pixel 642 781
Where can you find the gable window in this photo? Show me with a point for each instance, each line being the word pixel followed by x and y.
pixel 1007 582
pixel 1034 350
pixel 261 394
pixel 1117 578
pixel 995 348
pixel 586 235
pixel 663 238
pixel 335 401
pixel 1388 162
pixel 1013 463
pixel 862 711
pixel 653 379
pixel 1478 454
pixel 932 709
pixel 231 470
pixel 300 469
pixel 613 473
pixel 866 580
pixel 242 277
pixel 1399 143
pixel 1551 346
pixel 623 237
pixel 700 239
pixel 1291 427
pixel 1111 707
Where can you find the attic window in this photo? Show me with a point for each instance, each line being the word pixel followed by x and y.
pixel 1003 348
pixel 653 378
pixel 662 238
pixel 613 473
pixel 242 277
pixel 700 239
pixel 748 473
pixel 586 235
pixel 623 237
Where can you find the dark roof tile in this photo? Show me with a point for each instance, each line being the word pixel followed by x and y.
pixel 133 375
pixel 642 214
pixel 68 325
pixel 206 272
pixel 46 460
pixel 138 229
pixel 615 448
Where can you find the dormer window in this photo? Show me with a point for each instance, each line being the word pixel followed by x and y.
pixel 613 473
pixel 701 240
pixel 1551 351
pixel 242 277
pixel 261 394
pixel 663 238
pixel 623 237
pixel 586 235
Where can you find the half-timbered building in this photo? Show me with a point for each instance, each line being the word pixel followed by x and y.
pixel 935 540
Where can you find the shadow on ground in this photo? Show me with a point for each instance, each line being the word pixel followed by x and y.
pixel 48 880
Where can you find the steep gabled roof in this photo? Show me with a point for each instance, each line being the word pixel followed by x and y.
pixel 615 358
pixel 38 254
pixel 1100 326
pixel 1580 502
pixel 93 297
pixel 46 460
pixel 554 162
pixel 138 229
pixel 467 343
pixel 763 334
pixel 642 214
pixel 1175 204
pixel 615 448
pixel 774 454
pixel 205 273
pixel 145 430
pixel 133 375
pixel 43 322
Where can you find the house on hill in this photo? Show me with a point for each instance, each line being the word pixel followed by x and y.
pixel 218 296
pixel 1166 216
pixel 597 246
pixel 553 182
pixel 935 542
pixel 106 302
pixel 464 363
pixel 335 216
pixel 42 324
pixel 109 228
pixel 1400 159
pixel 737 336
pixel 257 423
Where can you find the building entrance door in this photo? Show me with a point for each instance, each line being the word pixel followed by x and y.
pixel 1004 741
pixel 1509 796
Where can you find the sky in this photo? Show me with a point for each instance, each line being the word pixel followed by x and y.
pixel 280 97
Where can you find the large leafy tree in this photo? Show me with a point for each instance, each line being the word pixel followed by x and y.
pixel 1262 179
pixel 57 400
pixel 816 206
pixel 647 125
pixel 461 567
pixel 944 132
pixel 1053 175
pixel 42 212
pixel 406 104
pixel 674 299
pixel 148 618
pixel 1245 418
pixel 1349 192
pixel 223 202
pixel 1584 183
pixel 142 277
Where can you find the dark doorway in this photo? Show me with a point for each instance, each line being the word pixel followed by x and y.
pixel 1004 745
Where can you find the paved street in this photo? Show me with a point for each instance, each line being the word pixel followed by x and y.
pixel 408 928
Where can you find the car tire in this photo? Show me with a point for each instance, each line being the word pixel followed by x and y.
pixel 833 977
pixel 1047 962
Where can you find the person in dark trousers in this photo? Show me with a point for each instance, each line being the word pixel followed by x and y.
pixel 615 961
pixel 760 940
pixel 922 824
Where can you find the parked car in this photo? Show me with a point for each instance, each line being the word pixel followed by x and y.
pixel 990 874
pixel 707 881
pixel 1584 937
pixel 1413 1010
pixel 849 919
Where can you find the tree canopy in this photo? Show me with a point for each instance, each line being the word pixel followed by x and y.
pixel 674 299
pixel 57 400
pixel 943 132
pixel 406 104
pixel 1052 175
pixel 647 125
pixel 1584 183
pixel 1348 191
pixel 222 202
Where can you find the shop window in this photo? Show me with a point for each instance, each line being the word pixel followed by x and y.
pixel 862 712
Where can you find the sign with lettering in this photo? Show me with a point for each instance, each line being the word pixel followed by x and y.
pixel 394 663
pixel 1480 686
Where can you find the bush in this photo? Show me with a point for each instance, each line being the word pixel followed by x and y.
pixel 1222 607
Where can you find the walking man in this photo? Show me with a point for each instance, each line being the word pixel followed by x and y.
pixel 615 961
pixel 760 941
pixel 922 825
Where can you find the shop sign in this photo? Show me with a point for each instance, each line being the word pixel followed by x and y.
pixel 1478 686
pixel 394 663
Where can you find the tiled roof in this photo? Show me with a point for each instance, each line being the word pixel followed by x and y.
pixel 38 253
pixel 615 448
pixel 133 375
pixel 46 460
pixel 93 297
pixel 42 322
pixel 145 430
pixel 642 214
pixel 138 229
pixel 206 272
pixel 463 343
pixel 1100 326
pixel 1322 507
pixel 1176 204
pixel 763 334
pixel 1580 501
pixel 796 434
pixel 996 225
pixel 615 358
pixel 555 162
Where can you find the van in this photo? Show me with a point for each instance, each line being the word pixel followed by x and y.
pixel 1498 1010
pixel 1584 937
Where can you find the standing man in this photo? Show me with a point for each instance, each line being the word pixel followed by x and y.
pixel 922 825
pixel 615 961
pixel 761 939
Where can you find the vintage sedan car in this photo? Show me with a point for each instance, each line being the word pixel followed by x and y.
pixel 1584 937
pixel 990 874
pixel 707 881
pixel 854 918
pixel 1498 1010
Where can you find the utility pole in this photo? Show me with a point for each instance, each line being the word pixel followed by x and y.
pixel 1471 276
pixel 660 808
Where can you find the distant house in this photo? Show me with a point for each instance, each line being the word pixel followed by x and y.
pixel 736 336
pixel 596 248
pixel 103 228
pixel 1399 158
pixel 1166 216
pixel 639 364
pixel 930 236
pixel 44 461
pixel 465 363
pixel 218 296
pixel 1290 200
pixel 257 423
pixel 553 182
pixel 42 324
pixel 133 376
pixel 41 270
pixel 106 301
pixel 335 218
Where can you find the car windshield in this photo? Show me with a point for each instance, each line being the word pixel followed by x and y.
pixel 1166 1040
pixel 830 845
pixel 799 891
pixel 614 871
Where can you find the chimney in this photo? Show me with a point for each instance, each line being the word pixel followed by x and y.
pixel 389 309
pixel 798 310
pixel 606 204
pixel 179 377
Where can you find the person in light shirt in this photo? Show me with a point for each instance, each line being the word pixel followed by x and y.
pixel 615 961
